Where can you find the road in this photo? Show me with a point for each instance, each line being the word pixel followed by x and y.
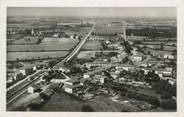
pixel 75 50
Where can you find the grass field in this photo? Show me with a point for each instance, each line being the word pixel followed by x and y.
pixel 47 44
pixel 25 40
pixel 110 29
pixel 86 54
pixel 64 102
pixel 11 56
pixel 60 101
pixel 92 45
pixel 169 48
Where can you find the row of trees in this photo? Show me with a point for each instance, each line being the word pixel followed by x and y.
pixel 153 32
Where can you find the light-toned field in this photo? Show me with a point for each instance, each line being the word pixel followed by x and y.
pixel 92 45
pixel 26 40
pixel 169 48
pixel 11 56
pixel 110 29
pixel 86 54
pixel 47 44
pixel 159 51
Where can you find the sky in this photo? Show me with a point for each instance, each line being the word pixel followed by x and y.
pixel 161 12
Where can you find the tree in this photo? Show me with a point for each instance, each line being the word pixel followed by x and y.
pixel 76 70
pixel 122 73
pixel 47 78
pixel 111 54
pixel 20 76
pixel 44 97
pixel 161 46
pixel 152 77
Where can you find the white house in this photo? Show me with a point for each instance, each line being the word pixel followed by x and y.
pixel 72 82
pixel 71 36
pixel 58 80
pixel 126 67
pixel 86 75
pixel 71 89
pixel 71 86
pixel 168 56
pixel 34 68
pixel 137 58
pixel 33 88
pixel 23 71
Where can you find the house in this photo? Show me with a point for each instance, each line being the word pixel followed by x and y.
pixel 113 45
pixel 71 36
pixel 72 85
pixel 59 79
pixel 161 72
pixel 83 80
pixel 34 88
pixel 72 88
pixel 9 79
pixel 126 67
pixel 23 71
pixel 86 75
pixel 143 65
pixel 107 41
pixel 146 70
pixel 114 59
pixel 157 63
pixel 121 48
pixel 137 58
pixel 34 68
pixel 72 82
pixel 114 74
pixel 55 35
pixel 168 56
pixel 122 57
pixel 134 51
pixel 98 38
pixel 88 95
pixel 121 79
pixel 99 78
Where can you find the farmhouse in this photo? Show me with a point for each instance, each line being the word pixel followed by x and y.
pixel 34 88
pixel 71 86
pixel 137 58
pixel 168 56
pixel 58 79
pixel 126 67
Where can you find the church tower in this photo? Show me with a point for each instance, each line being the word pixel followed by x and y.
pixel 32 32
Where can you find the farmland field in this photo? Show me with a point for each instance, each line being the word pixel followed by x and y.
pixel 92 45
pixel 159 51
pixel 110 29
pixel 169 48
pixel 80 32
pixel 11 56
pixel 26 40
pixel 47 44
pixel 86 54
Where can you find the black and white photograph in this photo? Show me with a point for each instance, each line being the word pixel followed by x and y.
pixel 91 59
